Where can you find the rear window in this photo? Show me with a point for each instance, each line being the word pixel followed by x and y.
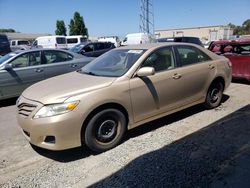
pixel 60 40
pixel 83 40
pixel 72 40
pixel 243 49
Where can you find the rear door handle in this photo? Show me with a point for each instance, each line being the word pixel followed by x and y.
pixel 38 70
pixel 211 66
pixel 176 76
pixel 73 65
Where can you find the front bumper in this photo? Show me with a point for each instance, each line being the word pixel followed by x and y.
pixel 54 133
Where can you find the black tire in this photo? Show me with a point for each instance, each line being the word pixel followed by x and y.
pixel 214 95
pixel 105 130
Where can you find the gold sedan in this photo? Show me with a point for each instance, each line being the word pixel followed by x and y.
pixel 120 90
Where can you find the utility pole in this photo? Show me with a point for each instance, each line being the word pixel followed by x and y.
pixel 147 17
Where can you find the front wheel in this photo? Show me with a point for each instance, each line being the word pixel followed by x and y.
pixel 105 130
pixel 214 95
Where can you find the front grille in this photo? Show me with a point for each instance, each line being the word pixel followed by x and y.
pixel 25 109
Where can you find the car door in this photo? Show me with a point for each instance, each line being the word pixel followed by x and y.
pixel 158 93
pixel 26 70
pixel 195 72
pixel 57 62
pixel 100 49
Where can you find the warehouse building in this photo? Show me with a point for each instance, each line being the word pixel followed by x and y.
pixel 24 36
pixel 208 33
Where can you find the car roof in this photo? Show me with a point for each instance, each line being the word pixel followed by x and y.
pixel 233 41
pixel 39 49
pixel 155 45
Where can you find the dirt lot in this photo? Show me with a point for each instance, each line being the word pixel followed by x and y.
pixel 192 148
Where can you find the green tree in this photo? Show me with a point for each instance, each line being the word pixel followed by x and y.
pixel 246 26
pixel 7 31
pixel 71 27
pixel 60 28
pixel 241 30
pixel 77 25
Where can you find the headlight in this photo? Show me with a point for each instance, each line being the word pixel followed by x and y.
pixel 55 109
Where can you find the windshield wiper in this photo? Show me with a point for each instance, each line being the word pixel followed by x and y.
pixel 89 73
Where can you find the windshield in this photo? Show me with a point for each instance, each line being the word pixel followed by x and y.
pixel 77 48
pixel 6 57
pixel 114 63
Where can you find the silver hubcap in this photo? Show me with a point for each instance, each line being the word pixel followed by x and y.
pixel 107 131
pixel 215 95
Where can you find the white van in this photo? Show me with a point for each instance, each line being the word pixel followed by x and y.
pixel 137 38
pixel 55 41
pixel 75 39
pixel 113 39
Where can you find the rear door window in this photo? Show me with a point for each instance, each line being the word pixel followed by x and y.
pixel 52 56
pixel 108 45
pixel 60 40
pixel 190 55
pixel 23 42
pixel 72 40
pixel 99 46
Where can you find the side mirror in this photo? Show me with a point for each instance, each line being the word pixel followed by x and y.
pixel 8 67
pixel 218 53
pixel 83 52
pixel 145 71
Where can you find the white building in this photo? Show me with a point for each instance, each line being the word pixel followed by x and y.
pixel 208 33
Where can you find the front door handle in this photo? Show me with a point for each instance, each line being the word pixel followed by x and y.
pixel 73 65
pixel 176 76
pixel 38 70
pixel 211 66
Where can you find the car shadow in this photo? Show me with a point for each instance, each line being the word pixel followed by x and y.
pixel 83 152
pixel 153 125
pixel 64 155
pixel 8 102
pixel 241 81
pixel 215 156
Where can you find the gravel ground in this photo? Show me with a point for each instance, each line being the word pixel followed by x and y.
pixel 191 148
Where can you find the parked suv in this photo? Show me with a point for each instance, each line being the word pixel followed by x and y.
pixel 194 40
pixel 93 49
pixel 19 45
pixel 238 51
pixel 122 89
pixel 4 45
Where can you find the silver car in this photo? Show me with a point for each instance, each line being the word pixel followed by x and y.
pixel 20 69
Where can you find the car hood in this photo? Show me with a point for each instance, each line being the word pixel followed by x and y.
pixel 59 88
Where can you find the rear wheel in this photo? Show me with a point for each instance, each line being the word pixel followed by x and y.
pixel 214 95
pixel 105 130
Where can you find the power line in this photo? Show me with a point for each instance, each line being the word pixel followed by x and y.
pixel 147 17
